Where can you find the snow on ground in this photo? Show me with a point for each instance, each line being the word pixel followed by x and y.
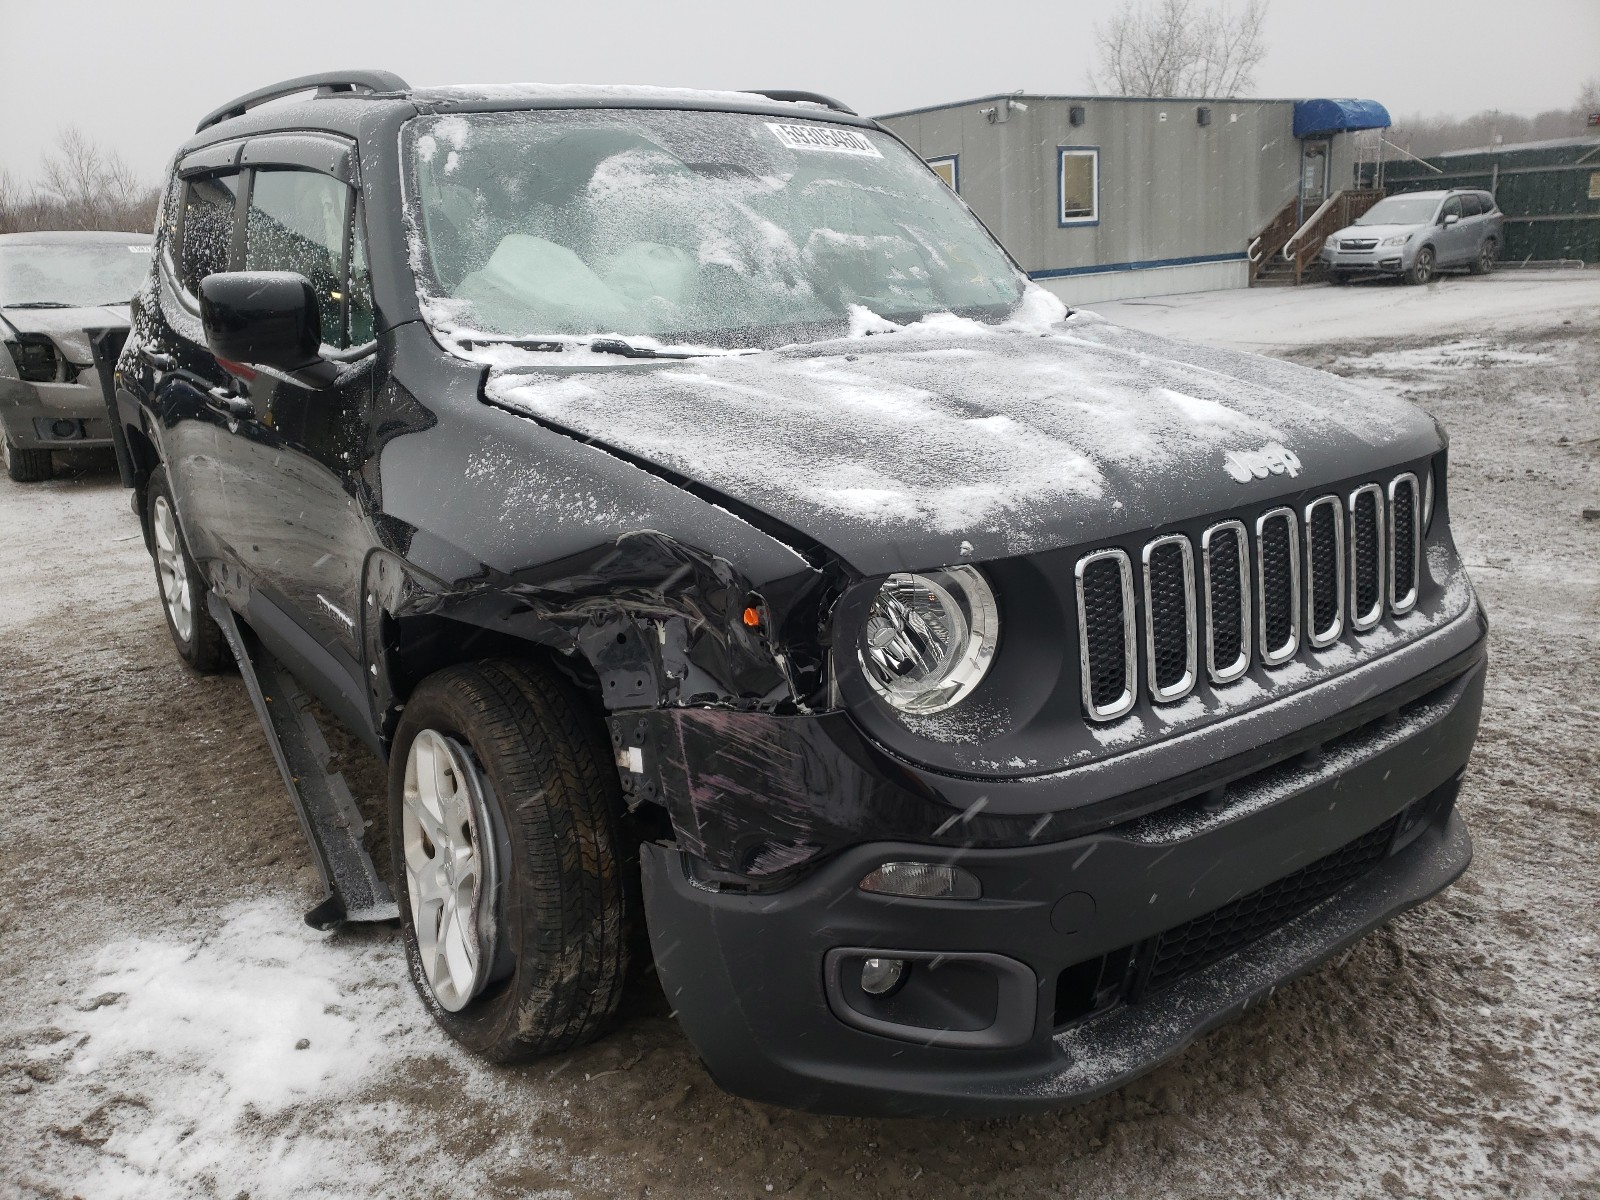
pixel 158 982
pixel 1267 319
pixel 256 1022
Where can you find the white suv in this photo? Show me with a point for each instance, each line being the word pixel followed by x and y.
pixel 1416 235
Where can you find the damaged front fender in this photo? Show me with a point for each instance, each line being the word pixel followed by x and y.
pixel 645 622
pixel 756 797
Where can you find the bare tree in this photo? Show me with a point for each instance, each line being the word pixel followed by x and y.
pixel 91 184
pixel 81 186
pixel 1179 48
pixel 1426 136
pixel 1589 97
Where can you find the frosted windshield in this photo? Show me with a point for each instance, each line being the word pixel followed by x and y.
pixel 1399 210
pixel 712 228
pixel 67 275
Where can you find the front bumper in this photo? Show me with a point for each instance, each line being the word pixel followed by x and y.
pixel 1381 260
pixel 1051 999
pixel 28 412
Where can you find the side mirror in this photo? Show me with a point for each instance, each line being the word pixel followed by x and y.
pixel 1451 219
pixel 263 318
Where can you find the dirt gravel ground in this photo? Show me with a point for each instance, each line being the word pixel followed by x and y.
pixel 169 1028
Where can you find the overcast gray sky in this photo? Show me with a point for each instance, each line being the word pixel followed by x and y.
pixel 137 75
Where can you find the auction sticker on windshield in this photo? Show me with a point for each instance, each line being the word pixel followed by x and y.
pixel 818 137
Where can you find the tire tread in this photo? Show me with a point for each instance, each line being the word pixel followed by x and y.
pixel 551 771
pixel 28 466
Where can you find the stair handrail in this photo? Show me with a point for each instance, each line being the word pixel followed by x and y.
pixel 1269 240
pixel 1310 221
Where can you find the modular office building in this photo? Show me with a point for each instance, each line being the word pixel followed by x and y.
pixel 1106 197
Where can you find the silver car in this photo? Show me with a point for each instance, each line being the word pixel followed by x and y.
pixel 57 291
pixel 1416 235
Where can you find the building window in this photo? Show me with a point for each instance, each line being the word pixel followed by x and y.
pixel 949 170
pixel 1078 185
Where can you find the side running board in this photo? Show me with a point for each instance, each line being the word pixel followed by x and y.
pixel 328 814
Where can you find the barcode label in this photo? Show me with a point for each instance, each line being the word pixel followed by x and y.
pixel 825 137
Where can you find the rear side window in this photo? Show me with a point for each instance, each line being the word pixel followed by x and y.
pixel 298 221
pixel 1471 206
pixel 1487 201
pixel 207 231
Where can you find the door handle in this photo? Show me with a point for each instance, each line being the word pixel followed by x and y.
pixel 230 404
pixel 161 362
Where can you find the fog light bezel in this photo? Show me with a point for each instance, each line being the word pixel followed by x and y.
pixel 1016 1009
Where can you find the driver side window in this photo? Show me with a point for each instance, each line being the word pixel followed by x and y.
pixel 299 221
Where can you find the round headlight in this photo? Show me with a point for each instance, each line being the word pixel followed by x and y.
pixel 929 638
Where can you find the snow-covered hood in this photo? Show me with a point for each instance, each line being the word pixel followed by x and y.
pixel 950 441
pixel 66 327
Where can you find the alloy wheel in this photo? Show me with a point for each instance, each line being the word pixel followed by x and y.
pixel 449 867
pixel 176 591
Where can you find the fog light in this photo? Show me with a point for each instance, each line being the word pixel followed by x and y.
pixel 880 975
pixel 64 429
pixel 924 881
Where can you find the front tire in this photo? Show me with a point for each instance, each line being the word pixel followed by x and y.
pixel 508 859
pixel 1421 267
pixel 1487 253
pixel 1338 278
pixel 26 466
pixel 195 633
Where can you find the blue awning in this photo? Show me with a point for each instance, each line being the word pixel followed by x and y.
pixel 1319 118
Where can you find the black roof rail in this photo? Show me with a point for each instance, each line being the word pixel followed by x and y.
pixel 788 97
pixel 328 82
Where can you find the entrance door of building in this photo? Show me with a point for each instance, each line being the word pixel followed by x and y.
pixel 1313 177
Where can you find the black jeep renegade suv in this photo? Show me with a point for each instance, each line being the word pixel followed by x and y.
pixel 712 528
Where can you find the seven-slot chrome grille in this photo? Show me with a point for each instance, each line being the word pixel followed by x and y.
pixel 1253 591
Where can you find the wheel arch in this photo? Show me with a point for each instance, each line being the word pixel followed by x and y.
pixel 642 622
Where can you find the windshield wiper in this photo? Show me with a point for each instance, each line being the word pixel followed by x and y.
pixel 41 304
pixel 629 350
pixel 596 345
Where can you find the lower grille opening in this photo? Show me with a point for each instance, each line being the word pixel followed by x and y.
pixel 1092 985
pixel 1198 943
pixel 1130 974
